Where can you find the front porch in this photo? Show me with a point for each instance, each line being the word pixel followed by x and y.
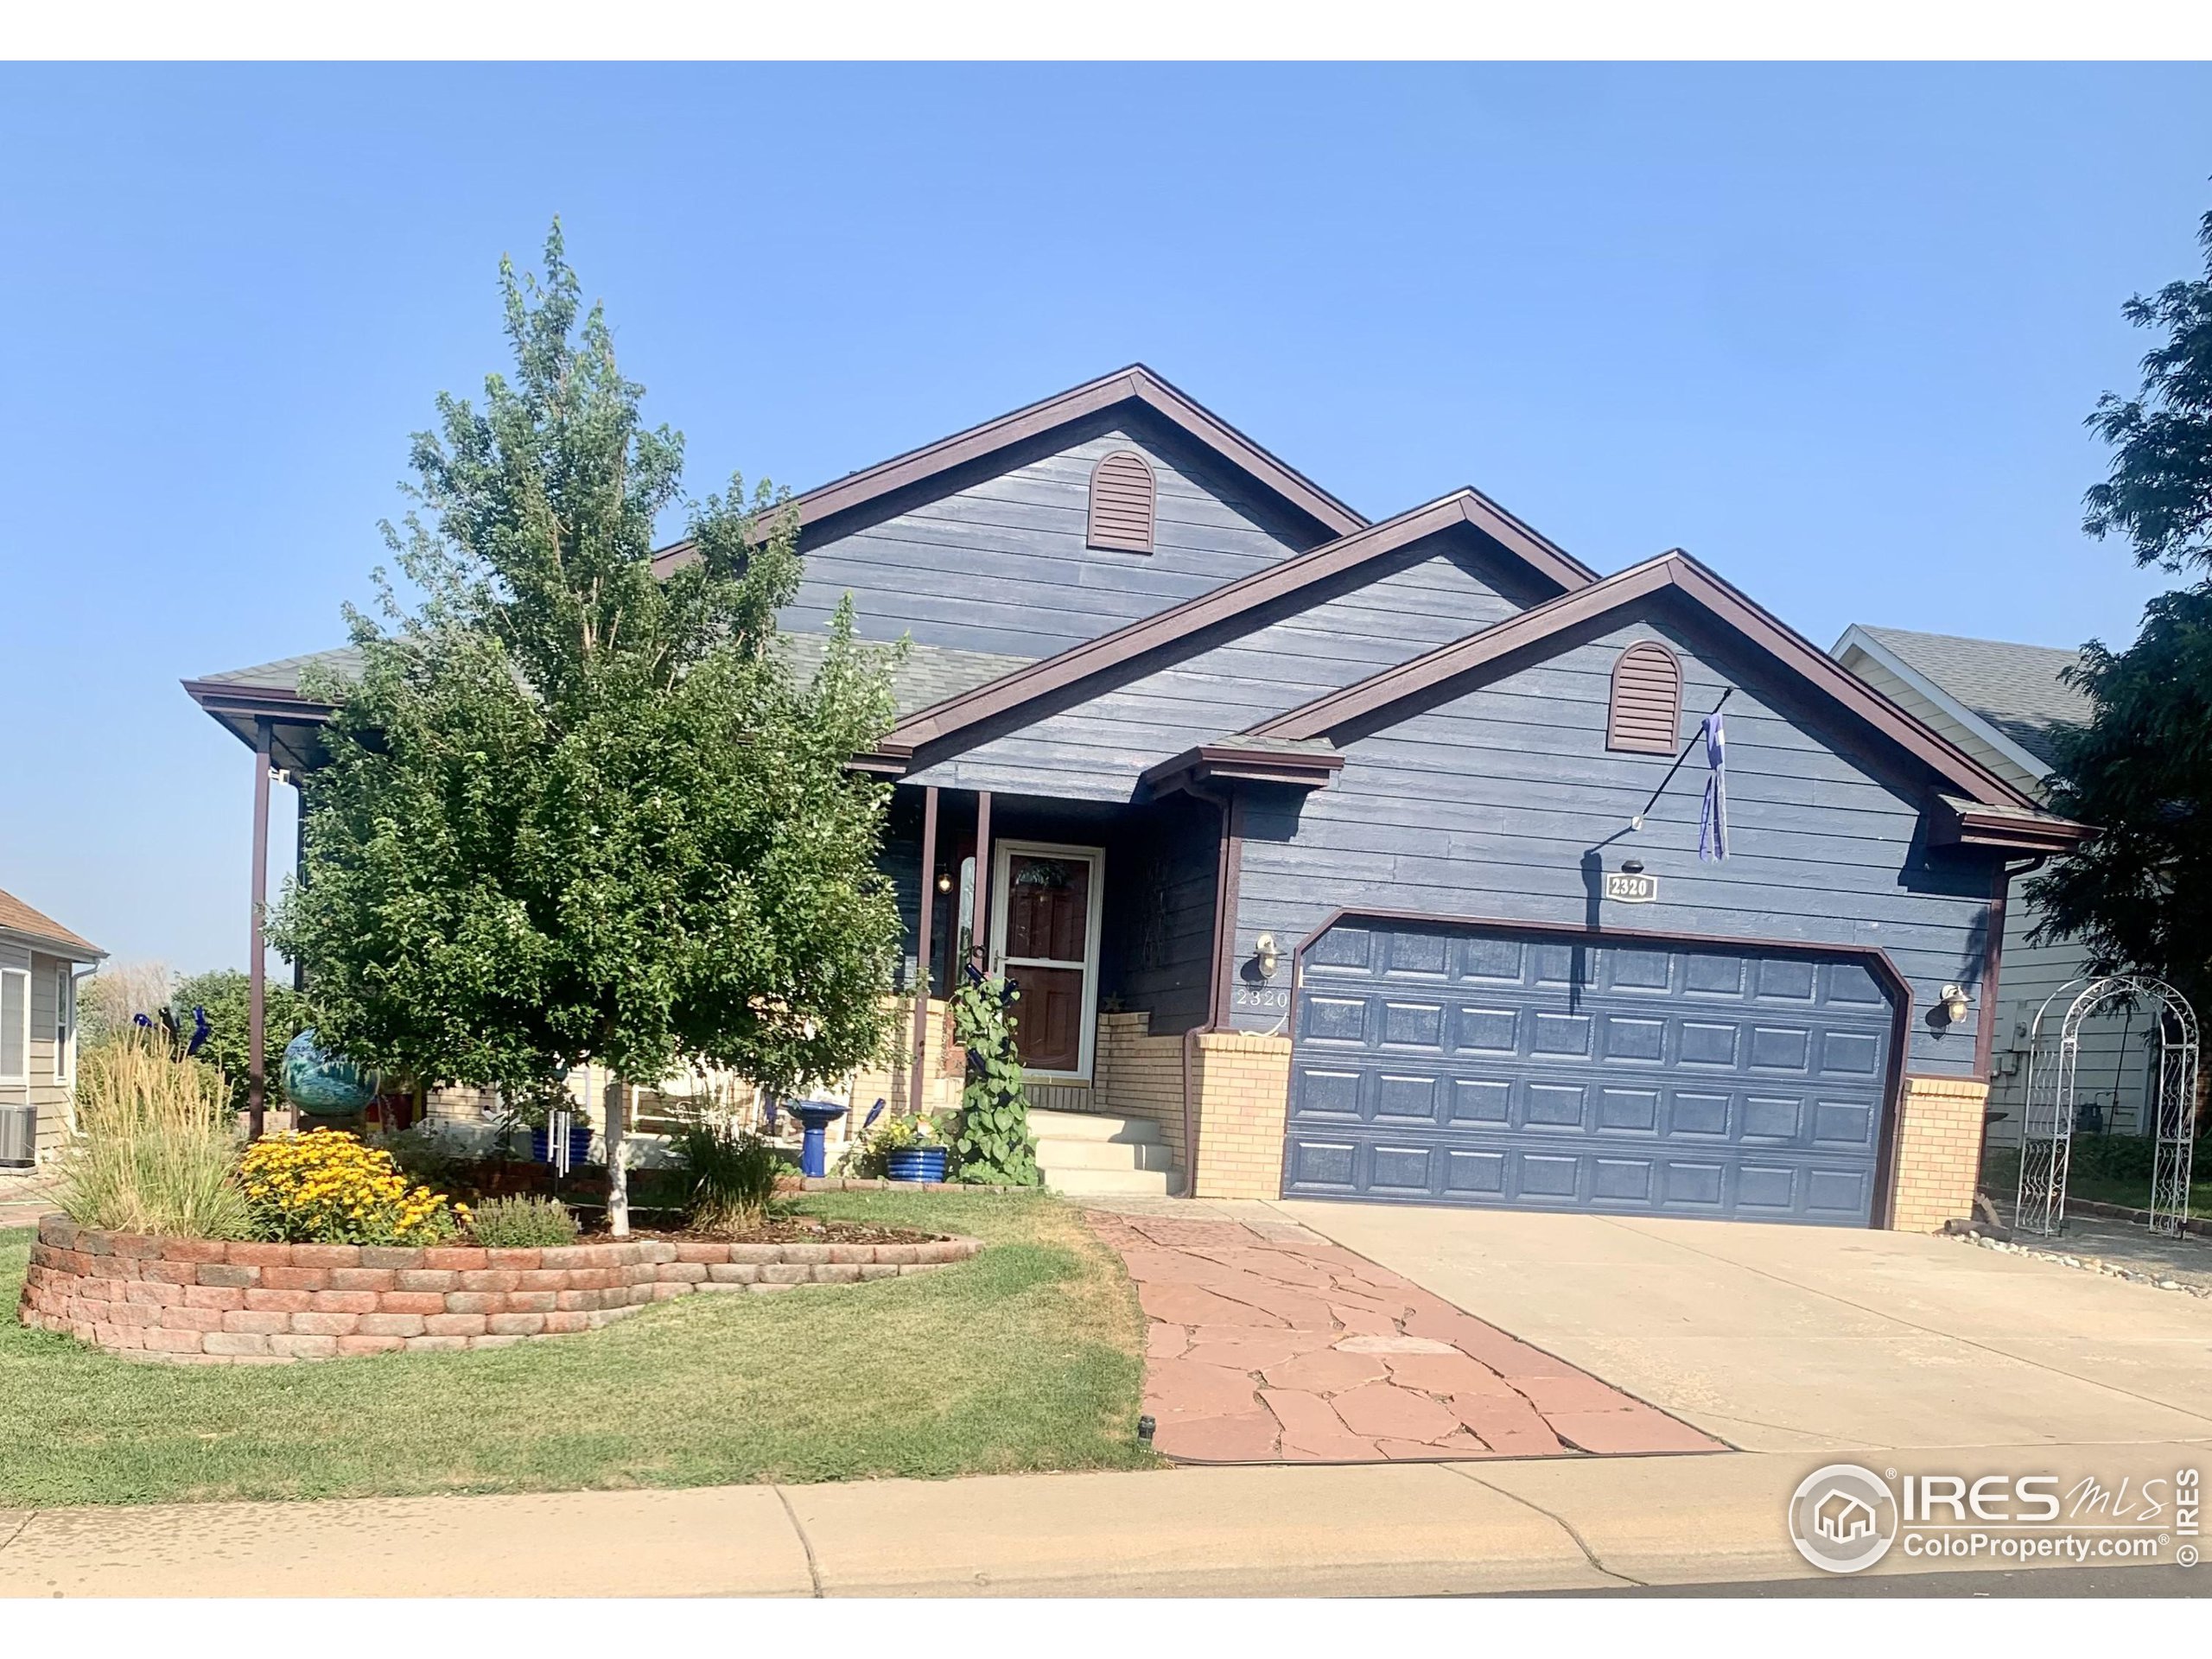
pixel 1105 916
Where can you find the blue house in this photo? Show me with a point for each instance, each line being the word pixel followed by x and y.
pixel 1361 861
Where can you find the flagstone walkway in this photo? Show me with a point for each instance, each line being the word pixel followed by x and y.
pixel 1270 1344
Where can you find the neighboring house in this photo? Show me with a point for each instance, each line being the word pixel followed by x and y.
pixel 1309 839
pixel 2001 703
pixel 40 964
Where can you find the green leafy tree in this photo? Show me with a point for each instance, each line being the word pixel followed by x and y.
pixel 993 1144
pixel 2139 895
pixel 576 812
pixel 224 994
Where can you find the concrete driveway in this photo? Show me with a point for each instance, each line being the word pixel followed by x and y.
pixel 1800 1339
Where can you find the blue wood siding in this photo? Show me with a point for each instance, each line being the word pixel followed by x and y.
pixel 1494 804
pixel 1159 921
pixel 998 562
pixel 1432 594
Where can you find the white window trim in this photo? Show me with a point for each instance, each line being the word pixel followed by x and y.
pixel 19 1079
pixel 1001 870
pixel 64 1025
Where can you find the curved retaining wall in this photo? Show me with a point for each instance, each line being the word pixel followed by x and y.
pixel 208 1302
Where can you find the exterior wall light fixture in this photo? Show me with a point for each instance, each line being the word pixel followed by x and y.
pixel 1264 951
pixel 1955 1004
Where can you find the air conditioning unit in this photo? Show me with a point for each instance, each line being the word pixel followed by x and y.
pixel 18 1137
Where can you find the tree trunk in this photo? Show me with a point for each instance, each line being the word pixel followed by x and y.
pixel 618 1177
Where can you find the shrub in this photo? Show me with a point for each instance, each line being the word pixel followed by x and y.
pixel 223 995
pixel 326 1188
pixel 522 1222
pixel 159 1153
pixel 732 1174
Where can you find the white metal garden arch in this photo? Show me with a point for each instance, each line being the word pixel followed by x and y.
pixel 2047 1133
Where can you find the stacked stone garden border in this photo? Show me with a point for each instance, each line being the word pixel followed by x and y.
pixel 208 1302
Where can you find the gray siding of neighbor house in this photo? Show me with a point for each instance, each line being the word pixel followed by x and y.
pixel 1489 805
pixel 2111 1069
pixel 1434 593
pixel 997 562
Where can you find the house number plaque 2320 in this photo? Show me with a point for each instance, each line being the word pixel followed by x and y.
pixel 1626 889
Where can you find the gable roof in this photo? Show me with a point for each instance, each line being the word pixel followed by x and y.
pixel 1066 673
pixel 925 675
pixel 1679 574
pixel 2008 696
pixel 42 929
pixel 1135 384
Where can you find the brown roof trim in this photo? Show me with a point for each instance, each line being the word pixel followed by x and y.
pixel 1678 572
pixel 1243 763
pixel 1136 384
pixel 1237 599
pixel 221 697
pixel 1958 824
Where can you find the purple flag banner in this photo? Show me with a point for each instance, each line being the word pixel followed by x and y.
pixel 1713 821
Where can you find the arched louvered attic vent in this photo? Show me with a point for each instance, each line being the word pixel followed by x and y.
pixel 1121 499
pixel 1646 717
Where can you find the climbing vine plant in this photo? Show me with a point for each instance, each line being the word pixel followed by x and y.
pixel 994 1147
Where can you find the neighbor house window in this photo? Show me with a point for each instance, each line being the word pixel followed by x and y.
pixel 1646 715
pixel 64 1025
pixel 15 1026
pixel 1122 498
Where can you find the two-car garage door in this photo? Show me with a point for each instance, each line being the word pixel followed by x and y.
pixel 1527 1070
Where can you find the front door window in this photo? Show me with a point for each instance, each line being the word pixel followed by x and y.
pixel 1045 934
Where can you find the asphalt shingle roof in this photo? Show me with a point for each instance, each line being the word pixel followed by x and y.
pixel 929 674
pixel 2015 688
pixel 17 916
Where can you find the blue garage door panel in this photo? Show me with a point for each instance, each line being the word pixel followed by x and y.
pixel 1522 1070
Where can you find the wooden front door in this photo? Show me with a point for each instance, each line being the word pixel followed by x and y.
pixel 1043 930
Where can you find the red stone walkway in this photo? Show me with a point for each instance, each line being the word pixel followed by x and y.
pixel 1283 1348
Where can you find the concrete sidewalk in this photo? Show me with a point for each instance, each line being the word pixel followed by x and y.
pixel 1372 1530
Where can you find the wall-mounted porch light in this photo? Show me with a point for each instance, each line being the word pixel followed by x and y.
pixel 944 881
pixel 1265 952
pixel 1955 1004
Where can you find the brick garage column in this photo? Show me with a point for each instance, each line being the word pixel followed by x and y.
pixel 1243 1082
pixel 1936 1157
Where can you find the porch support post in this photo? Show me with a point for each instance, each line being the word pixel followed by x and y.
pixel 1229 876
pixel 979 947
pixel 257 964
pixel 923 941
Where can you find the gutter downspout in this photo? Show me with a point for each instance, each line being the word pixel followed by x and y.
pixel 1992 952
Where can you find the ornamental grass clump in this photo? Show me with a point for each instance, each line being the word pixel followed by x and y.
pixel 158 1149
pixel 522 1222
pixel 326 1188
pixel 732 1173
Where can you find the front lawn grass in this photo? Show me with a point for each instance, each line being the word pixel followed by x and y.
pixel 1026 1357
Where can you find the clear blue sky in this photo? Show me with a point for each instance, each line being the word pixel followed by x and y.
pixel 1832 330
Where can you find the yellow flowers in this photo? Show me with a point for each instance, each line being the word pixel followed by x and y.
pixel 326 1187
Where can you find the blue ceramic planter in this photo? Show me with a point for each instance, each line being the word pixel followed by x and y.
pixel 541 1150
pixel 917 1164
